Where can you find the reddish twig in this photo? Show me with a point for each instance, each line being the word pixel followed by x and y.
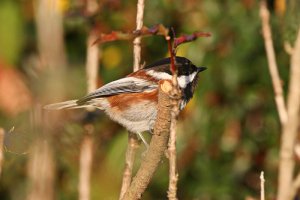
pixel 113 36
pixel 139 32
pixel 173 67
pixel 158 29
pixel 188 38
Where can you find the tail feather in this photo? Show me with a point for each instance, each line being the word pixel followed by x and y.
pixel 72 104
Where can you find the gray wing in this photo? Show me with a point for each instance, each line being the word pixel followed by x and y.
pixel 124 85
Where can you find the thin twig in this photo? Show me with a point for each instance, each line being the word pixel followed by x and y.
pixel 262 186
pixel 137 41
pixel 175 94
pixel 157 146
pixel 1 148
pixel 158 29
pixel 132 138
pixel 92 61
pixel 273 68
pixel 188 38
pixel 289 134
pixel 133 144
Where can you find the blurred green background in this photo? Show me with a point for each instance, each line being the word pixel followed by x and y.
pixel 227 135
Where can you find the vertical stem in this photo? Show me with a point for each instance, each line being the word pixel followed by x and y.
pixel 273 68
pixel 92 61
pixel 86 159
pixel 175 93
pixel 262 186
pixel 289 116
pixel 137 41
pixel 173 175
pixel 133 144
pixel 1 149
pixel 41 171
pixel 86 151
pixel 290 129
pixel 49 22
pixel 41 164
pixel 132 138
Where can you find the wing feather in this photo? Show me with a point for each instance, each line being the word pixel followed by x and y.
pixel 124 85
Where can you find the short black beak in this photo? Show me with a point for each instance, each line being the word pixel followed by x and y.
pixel 200 69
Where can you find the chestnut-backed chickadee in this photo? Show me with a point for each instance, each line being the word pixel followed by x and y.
pixel 132 101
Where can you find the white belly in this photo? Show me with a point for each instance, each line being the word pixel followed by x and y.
pixel 137 119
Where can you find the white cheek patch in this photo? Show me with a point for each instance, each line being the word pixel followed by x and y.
pixel 182 80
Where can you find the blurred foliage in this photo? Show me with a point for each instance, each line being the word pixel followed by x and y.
pixel 227 134
pixel 12 31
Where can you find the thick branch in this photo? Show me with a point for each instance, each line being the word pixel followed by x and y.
pixel 157 146
pixel 288 138
pixel 276 81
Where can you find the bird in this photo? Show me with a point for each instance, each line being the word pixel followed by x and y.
pixel 132 101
